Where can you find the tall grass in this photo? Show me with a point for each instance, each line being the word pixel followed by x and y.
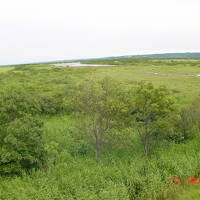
pixel 118 175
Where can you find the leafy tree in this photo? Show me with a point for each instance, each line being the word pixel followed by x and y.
pixel 151 111
pixel 101 106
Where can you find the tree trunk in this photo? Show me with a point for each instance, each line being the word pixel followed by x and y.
pixel 146 140
pixel 97 147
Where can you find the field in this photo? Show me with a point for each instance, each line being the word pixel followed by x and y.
pixel 5 69
pixel 122 172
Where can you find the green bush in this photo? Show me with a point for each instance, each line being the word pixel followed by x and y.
pixel 21 134
pixel 101 106
pixel 21 145
pixel 152 108
pixel 51 104
pixel 188 123
pixel 14 103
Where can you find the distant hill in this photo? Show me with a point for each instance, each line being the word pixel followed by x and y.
pixel 187 55
pixel 169 55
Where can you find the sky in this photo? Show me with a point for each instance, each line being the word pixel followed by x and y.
pixel 46 30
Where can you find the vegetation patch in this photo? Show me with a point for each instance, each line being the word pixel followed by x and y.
pixel 98 133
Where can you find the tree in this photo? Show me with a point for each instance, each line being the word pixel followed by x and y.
pixel 101 106
pixel 152 108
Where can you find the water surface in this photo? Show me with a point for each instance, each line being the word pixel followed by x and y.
pixel 78 64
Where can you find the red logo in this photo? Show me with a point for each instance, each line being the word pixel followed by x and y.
pixel 193 180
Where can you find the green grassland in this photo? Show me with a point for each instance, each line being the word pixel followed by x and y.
pixel 190 193
pixel 5 69
pixel 123 172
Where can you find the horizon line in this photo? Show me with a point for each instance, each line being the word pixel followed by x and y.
pixel 93 58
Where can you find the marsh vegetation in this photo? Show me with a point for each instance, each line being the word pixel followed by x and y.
pixel 107 132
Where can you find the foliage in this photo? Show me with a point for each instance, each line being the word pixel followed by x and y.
pixel 128 177
pixel 21 134
pixel 15 103
pixel 102 106
pixel 152 107
pixel 51 105
pixel 21 145
pixel 31 93
pixel 188 123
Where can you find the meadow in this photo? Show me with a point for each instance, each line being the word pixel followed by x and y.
pixel 122 171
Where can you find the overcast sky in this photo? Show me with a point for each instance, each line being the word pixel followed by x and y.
pixel 42 30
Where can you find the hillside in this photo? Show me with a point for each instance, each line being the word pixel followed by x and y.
pixel 187 55
pixel 169 55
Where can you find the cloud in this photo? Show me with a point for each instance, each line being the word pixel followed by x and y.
pixel 38 30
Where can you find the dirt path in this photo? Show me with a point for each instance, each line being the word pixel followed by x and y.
pixel 159 74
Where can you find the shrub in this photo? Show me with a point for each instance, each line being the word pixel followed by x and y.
pixel 101 106
pixel 152 108
pixel 21 145
pixel 15 103
pixel 189 120
pixel 21 134
pixel 51 104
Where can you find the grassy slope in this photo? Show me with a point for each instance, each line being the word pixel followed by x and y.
pixel 5 69
pixel 190 193
pixel 81 176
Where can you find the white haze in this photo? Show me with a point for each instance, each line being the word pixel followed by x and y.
pixel 44 30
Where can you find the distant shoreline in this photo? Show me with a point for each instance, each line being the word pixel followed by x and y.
pixel 186 55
